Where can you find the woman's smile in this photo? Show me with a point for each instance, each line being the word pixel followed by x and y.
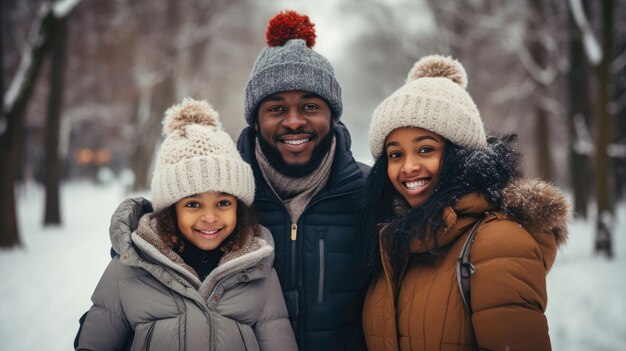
pixel 414 162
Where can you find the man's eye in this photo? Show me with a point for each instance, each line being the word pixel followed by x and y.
pixel 276 109
pixel 310 107
pixel 192 204
pixel 224 203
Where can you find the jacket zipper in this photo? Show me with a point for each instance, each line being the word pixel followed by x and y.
pixel 294 251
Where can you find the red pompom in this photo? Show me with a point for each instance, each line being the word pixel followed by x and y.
pixel 289 25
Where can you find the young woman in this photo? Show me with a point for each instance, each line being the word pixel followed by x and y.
pixel 196 274
pixel 436 177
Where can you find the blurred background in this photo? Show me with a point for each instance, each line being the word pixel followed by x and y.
pixel 85 85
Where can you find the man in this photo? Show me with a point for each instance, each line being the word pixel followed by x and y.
pixel 308 185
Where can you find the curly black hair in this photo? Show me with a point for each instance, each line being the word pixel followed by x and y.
pixel 247 224
pixel 463 171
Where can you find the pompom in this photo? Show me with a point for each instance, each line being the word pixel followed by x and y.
pixel 289 25
pixel 439 66
pixel 188 112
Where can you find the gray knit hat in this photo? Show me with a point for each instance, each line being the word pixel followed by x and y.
pixel 434 97
pixel 289 63
pixel 197 156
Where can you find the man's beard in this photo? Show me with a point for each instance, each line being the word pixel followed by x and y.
pixel 297 171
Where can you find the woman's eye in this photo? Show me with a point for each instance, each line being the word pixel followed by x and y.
pixel 394 154
pixel 192 204
pixel 426 149
pixel 224 203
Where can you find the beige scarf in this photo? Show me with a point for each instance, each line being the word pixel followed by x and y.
pixel 296 193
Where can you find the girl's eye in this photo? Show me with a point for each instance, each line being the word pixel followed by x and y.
pixel 394 154
pixel 192 204
pixel 224 203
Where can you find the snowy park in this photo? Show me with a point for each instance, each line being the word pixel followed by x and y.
pixel 85 85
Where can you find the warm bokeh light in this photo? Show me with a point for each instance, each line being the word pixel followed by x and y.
pixel 84 156
pixel 102 156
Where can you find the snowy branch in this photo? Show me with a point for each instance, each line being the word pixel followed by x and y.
pixel 62 8
pixel 583 145
pixel 542 76
pixel 553 106
pixel 514 91
pixel 24 71
pixel 619 63
pixel 590 43
pixel 616 150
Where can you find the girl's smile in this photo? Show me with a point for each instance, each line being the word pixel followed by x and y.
pixel 207 219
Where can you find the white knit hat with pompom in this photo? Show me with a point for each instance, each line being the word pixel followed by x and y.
pixel 434 97
pixel 197 156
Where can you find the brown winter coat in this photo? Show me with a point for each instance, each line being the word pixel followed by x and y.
pixel 508 289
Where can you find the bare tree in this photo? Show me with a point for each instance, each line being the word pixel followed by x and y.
pixel 618 69
pixel 581 143
pixel 539 59
pixel 58 51
pixel 16 100
pixel 161 82
pixel 602 167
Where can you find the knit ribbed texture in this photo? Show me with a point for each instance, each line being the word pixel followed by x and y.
pixel 292 66
pixel 439 104
pixel 198 156
pixel 296 193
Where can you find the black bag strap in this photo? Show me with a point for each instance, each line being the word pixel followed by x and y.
pixel 465 268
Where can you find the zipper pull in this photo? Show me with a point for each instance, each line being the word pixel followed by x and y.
pixel 294 232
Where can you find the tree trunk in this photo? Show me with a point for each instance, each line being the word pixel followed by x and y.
pixel 619 124
pixel 542 126
pixel 141 106
pixel 604 220
pixel 163 96
pixel 58 44
pixel 579 113
pixel 11 137
pixel 9 233
pixel 142 157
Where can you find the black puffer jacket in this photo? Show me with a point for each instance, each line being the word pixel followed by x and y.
pixel 321 272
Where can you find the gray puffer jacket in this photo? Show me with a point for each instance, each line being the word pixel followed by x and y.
pixel 150 299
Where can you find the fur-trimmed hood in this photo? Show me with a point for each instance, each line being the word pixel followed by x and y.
pixel 133 232
pixel 536 205
pixel 539 207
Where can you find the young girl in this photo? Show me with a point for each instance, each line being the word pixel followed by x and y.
pixel 195 274
pixel 436 177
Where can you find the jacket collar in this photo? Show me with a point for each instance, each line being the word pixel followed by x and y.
pixel 538 206
pixel 132 234
pixel 457 218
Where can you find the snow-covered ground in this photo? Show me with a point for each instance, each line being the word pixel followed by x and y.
pixel 47 284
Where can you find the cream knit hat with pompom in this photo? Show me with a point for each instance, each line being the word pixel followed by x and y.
pixel 434 97
pixel 197 156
